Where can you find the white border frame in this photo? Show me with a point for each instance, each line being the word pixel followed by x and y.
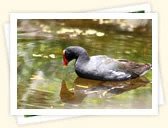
pixel 39 119
pixel 131 8
pixel 13 64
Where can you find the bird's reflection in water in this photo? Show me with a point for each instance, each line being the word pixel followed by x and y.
pixel 68 96
pixel 100 89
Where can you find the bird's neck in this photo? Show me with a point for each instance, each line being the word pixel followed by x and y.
pixel 83 57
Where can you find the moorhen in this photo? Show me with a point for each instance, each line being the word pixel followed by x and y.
pixel 101 67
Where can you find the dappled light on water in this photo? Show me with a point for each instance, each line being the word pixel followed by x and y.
pixel 43 82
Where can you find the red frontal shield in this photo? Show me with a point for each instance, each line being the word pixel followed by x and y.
pixel 65 61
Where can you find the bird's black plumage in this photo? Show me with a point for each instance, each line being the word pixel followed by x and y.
pixel 101 67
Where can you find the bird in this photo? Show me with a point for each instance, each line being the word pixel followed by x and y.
pixel 102 67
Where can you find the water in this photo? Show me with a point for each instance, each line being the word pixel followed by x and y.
pixel 43 81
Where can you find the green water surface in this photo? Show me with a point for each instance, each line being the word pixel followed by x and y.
pixel 43 81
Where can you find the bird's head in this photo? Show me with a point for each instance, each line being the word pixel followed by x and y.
pixel 72 52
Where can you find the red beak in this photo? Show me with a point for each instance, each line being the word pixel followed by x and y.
pixel 65 61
